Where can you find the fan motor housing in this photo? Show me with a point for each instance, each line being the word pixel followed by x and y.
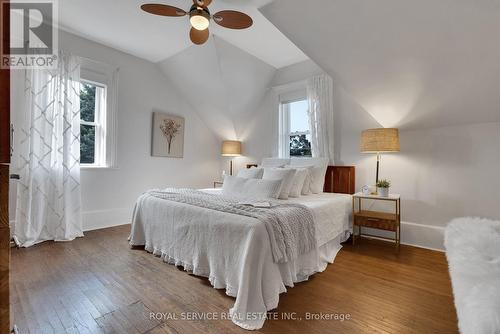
pixel 202 11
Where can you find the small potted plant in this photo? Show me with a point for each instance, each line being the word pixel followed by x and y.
pixel 383 188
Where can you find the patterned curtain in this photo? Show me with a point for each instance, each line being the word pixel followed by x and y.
pixel 320 98
pixel 49 198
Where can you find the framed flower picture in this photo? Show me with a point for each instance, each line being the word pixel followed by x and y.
pixel 168 136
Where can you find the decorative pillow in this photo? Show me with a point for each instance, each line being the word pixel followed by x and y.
pixel 251 173
pixel 306 186
pixel 318 171
pixel 318 179
pixel 285 174
pixel 298 182
pixel 274 162
pixel 251 188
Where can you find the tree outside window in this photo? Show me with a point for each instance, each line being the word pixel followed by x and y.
pixel 92 124
pixel 87 127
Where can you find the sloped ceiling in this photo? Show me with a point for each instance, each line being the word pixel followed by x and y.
pixel 411 64
pixel 220 81
pixel 121 24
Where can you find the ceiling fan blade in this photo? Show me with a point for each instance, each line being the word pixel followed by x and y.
pixel 163 10
pixel 232 19
pixel 202 3
pixel 199 36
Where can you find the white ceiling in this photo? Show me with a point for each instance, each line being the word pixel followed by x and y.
pixel 409 63
pixel 122 25
pixel 209 86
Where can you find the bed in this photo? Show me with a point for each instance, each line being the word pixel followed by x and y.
pixel 234 251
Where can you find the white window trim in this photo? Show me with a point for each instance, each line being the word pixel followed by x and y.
pixel 284 129
pixel 101 74
pixel 299 133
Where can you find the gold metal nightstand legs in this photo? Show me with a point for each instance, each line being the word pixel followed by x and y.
pixel 386 221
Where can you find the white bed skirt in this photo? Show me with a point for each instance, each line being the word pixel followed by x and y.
pixel 291 272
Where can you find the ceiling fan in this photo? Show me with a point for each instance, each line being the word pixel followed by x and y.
pixel 199 17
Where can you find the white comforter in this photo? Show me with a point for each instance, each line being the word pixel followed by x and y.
pixel 234 251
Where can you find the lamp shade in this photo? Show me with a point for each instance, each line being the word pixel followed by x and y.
pixel 231 148
pixel 380 140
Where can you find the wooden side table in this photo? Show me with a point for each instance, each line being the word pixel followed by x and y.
pixel 387 221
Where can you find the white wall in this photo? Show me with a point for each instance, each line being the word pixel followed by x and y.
pixel 258 129
pixel 108 195
pixel 441 173
pixel 447 172
pixel 226 87
pixel 429 68
pixel 260 136
pixel 226 82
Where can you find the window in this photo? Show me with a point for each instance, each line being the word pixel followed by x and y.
pixel 295 138
pixel 300 135
pixel 92 124
pixel 98 120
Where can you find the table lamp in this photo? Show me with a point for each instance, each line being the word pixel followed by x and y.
pixel 231 148
pixel 382 140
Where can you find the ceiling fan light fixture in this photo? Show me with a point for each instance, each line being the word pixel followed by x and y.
pixel 199 18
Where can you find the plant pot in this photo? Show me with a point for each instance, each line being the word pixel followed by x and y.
pixel 383 192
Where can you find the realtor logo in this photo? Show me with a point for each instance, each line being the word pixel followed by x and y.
pixel 33 34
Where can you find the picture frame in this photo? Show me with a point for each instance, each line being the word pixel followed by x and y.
pixel 167 135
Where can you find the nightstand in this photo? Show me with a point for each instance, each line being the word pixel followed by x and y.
pixel 218 183
pixel 387 221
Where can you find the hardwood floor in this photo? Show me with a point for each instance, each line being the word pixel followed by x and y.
pixel 97 284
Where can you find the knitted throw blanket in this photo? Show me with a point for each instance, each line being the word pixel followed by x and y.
pixel 290 226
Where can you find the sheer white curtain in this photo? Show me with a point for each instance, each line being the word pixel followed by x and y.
pixel 49 198
pixel 320 98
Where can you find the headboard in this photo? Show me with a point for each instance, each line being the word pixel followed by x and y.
pixel 340 179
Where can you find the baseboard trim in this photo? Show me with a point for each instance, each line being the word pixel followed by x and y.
pixel 417 235
pixel 95 220
pixel 412 234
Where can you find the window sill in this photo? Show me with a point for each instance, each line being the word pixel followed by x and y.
pixel 89 167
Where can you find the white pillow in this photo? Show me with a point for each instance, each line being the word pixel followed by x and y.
pixel 250 188
pixel 306 186
pixel 285 174
pixel 298 182
pixel 251 173
pixel 318 179
pixel 318 171
pixel 274 162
